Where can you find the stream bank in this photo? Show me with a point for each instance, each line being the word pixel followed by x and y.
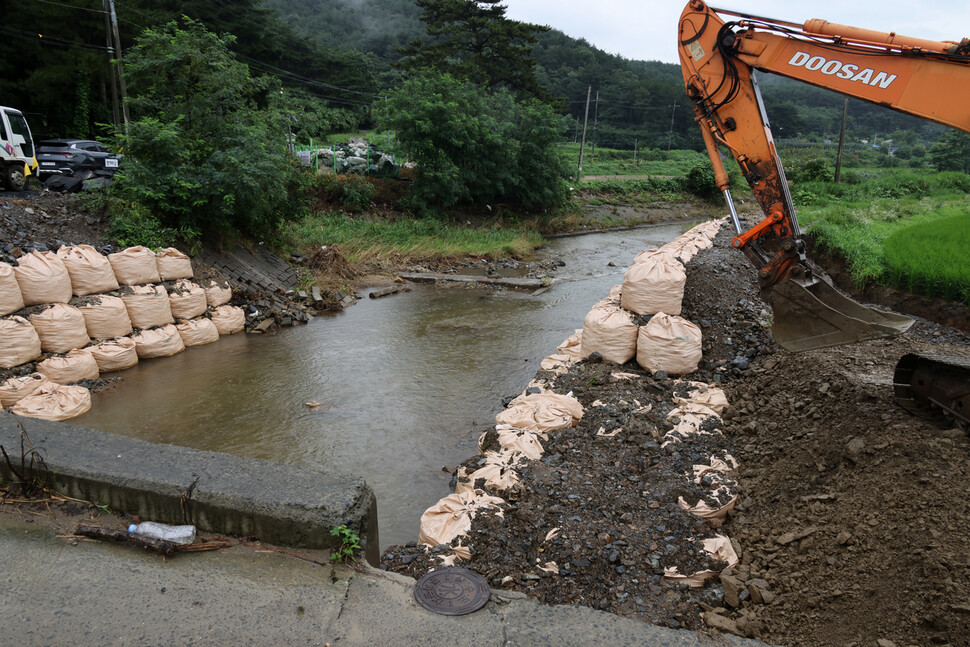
pixel 848 528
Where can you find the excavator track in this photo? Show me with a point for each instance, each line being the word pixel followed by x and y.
pixel 934 387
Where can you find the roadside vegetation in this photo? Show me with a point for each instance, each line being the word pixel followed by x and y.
pixel 902 228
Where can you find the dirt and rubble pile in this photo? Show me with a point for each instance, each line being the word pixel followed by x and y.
pixel 852 516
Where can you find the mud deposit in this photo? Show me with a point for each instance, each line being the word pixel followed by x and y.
pixel 853 519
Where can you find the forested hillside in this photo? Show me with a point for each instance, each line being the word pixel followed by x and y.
pixel 335 58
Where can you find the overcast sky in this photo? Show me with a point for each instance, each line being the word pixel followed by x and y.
pixel 647 29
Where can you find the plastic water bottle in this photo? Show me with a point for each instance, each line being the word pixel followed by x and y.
pixel 176 534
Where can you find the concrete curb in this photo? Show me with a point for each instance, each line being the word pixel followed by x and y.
pixel 276 503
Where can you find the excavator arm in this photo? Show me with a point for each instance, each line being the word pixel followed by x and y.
pixel 925 78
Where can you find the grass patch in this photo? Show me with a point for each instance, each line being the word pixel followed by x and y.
pixel 902 229
pixel 650 161
pixel 931 258
pixel 366 239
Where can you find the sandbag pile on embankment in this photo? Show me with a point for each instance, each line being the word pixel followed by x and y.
pixel 67 318
pixel 602 484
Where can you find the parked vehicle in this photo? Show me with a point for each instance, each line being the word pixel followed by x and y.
pixel 17 160
pixel 81 158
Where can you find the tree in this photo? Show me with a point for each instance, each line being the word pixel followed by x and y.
pixel 200 156
pixel 951 152
pixel 473 146
pixel 472 40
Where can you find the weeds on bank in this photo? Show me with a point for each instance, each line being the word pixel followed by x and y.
pixel 349 542
pixel 31 472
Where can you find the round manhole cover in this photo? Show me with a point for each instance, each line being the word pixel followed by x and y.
pixel 452 591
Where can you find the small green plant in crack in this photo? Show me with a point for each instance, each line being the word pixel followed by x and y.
pixel 592 381
pixel 349 542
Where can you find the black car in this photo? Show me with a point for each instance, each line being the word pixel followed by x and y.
pixel 83 158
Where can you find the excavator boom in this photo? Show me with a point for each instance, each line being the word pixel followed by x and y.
pixel 718 55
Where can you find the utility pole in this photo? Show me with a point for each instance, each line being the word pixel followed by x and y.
pixel 121 74
pixel 582 145
pixel 838 159
pixel 636 140
pixel 596 114
pixel 111 66
pixel 670 133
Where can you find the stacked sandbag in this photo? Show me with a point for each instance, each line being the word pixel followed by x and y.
pixel 196 332
pixel 218 295
pixel 54 402
pixel 654 285
pixel 19 342
pixel 452 515
pixel 11 300
pixel 610 331
pixel 134 266
pixel 61 328
pixel 89 270
pixel 158 342
pixel 173 264
pixel 542 411
pixel 14 389
pixel 228 319
pixel 652 255
pixel 105 317
pixel 43 278
pixel 115 354
pixel 669 343
pixel 187 300
pixel 77 365
pixel 148 306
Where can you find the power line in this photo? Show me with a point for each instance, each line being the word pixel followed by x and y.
pixel 40 38
pixel 69 6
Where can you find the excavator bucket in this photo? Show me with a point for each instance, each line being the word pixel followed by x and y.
pixel 817 315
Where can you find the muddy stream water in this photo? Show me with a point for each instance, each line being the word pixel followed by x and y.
pixel 406 384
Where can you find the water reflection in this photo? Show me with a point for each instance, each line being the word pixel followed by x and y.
pixel 406 384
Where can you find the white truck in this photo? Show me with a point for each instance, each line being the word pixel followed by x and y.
pixel 17 160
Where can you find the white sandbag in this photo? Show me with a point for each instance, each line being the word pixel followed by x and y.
pixel 106 317
pixel 700 393
pixel 134 266
pixel 173 264
pixel 11 300
pixel 61 328
pixel 653 286
pixel 611 332
pixel 669 343
pixel 54 402
pixel 148 306
pixel 652 255
pixel 158 342
pixel 228 319
pixel 196 332
pixel 17 388
pixel 542 411
pixel 218 295
pixel 78 365
pixel 499 472
pixel 19 342
pixel 452 516
pixel 521 440
pixel 89 270
pixel 572 346
pixel 187 300
pixel 115 354
pixel 42 278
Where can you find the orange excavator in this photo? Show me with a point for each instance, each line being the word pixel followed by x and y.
pixel 719 49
